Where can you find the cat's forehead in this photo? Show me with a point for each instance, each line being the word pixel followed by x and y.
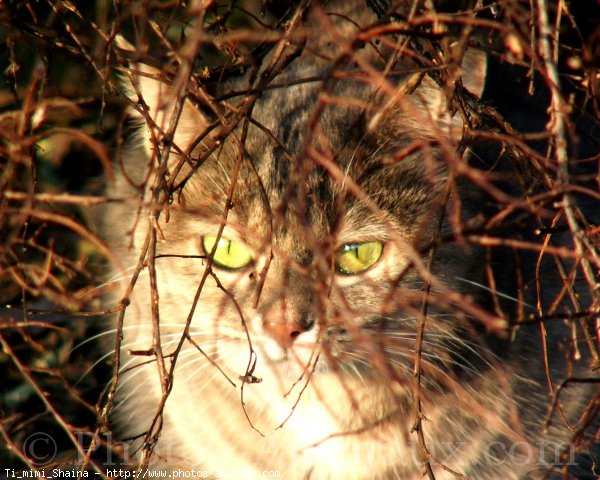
pixel 301 159
pixel 279 196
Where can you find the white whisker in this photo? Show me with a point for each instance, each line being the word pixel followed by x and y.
pixel 495 292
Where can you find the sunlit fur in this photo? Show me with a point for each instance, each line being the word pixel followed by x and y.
pixel 336 401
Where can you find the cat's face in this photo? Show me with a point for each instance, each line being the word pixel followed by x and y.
pixel 318 269
pixel 309 263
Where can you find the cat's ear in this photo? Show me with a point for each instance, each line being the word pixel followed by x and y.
pixel 154 98
pixel 474 68
pixel 434 98
pixel 423 108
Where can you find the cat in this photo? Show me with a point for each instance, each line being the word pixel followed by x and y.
pixel 303 264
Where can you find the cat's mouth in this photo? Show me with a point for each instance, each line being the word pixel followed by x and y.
pixel 302 351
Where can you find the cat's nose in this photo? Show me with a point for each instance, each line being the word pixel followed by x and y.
pixel 285 333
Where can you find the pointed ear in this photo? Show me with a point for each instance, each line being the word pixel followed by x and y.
pixel 474 68
pixel 155 99
pixel 434 100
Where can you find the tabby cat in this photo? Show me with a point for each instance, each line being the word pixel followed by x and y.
pixel 306 273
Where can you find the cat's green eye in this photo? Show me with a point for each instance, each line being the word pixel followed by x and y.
pixel 229 254
pixel 353 258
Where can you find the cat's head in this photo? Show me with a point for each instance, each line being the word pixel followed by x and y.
pixel 308 215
